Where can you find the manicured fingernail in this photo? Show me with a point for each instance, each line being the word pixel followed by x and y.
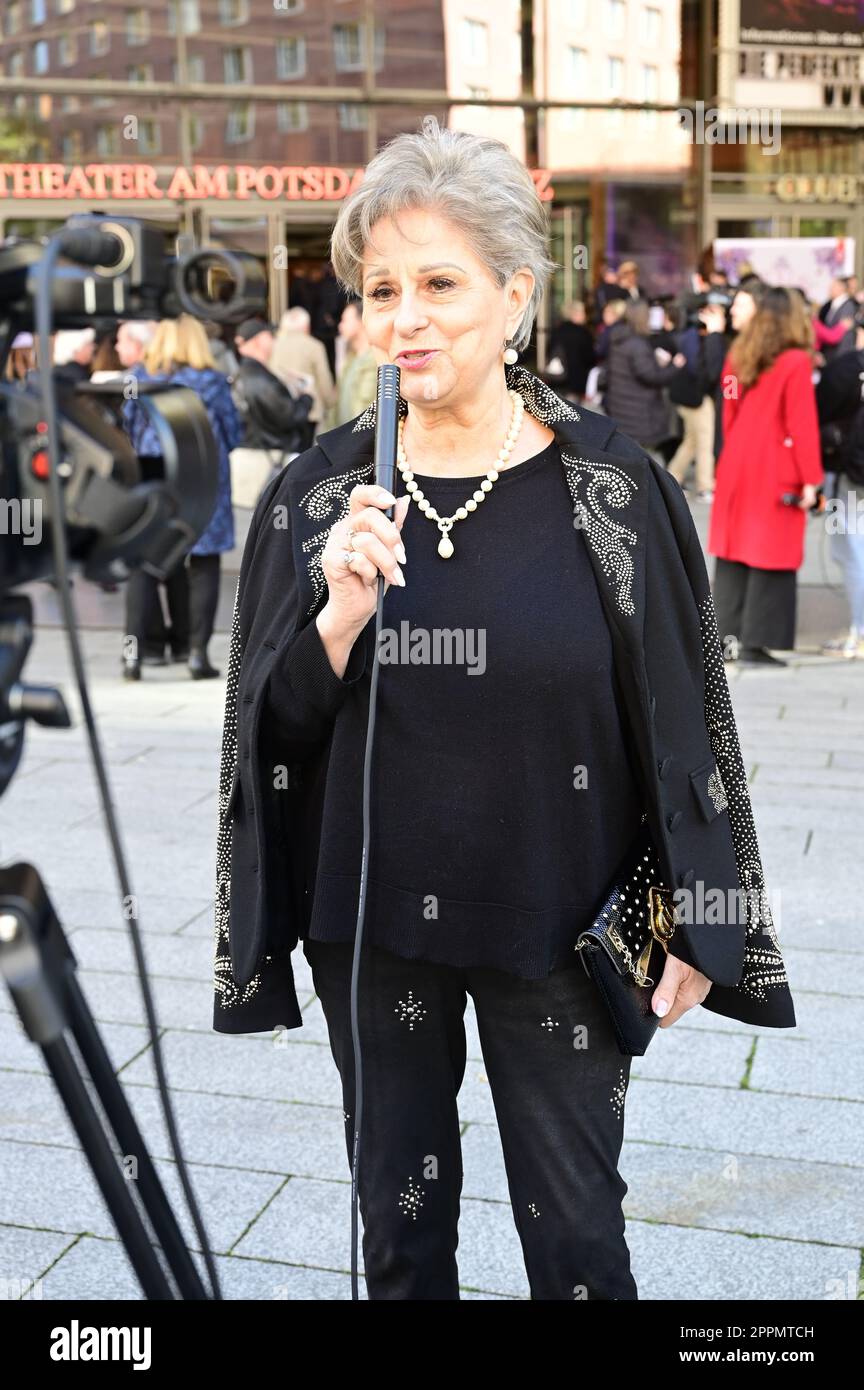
pixel 398 577
pixel 400 552
pixel 385 495
pixel 661 1007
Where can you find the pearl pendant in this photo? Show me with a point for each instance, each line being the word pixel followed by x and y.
pixel 445 547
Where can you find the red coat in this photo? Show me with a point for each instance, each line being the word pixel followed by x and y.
pixel 771 446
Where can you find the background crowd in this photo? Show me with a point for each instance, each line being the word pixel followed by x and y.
pixel 761 393
pixel 756 390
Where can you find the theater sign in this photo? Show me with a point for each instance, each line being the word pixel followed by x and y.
pixel 180 184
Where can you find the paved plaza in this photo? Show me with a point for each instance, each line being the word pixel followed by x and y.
pixel 743 1147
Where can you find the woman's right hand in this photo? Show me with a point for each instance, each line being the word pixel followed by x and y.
pixel 377 548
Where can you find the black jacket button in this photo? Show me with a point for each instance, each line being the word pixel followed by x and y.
pixel 664 766
pixel 675 819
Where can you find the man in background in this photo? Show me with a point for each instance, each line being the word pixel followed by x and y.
pixel 358 379
pixel 297 354
pixel 73 355
pixel 839 305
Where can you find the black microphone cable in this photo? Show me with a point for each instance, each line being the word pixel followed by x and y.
pixel 386 429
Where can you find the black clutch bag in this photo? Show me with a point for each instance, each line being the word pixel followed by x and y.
pixel 624 949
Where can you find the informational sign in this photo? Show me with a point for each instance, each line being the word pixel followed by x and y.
pixel 149 182
pixel 804 263
pixel 799 55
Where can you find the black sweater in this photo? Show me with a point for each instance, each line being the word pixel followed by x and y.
pixel 489 845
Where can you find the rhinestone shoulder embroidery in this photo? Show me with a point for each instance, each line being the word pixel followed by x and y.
pixel 328 501
pixel 592 485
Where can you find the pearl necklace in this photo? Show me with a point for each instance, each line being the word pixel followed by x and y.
pixel 446 523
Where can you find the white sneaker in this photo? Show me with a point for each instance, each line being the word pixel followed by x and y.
pixel 850 646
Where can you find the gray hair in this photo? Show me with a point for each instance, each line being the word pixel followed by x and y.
pixel 476 182
pixel 298 319
pixel 142 330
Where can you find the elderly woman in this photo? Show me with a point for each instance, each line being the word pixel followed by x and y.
pixel 509 782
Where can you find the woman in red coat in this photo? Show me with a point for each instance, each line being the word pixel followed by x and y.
pixel 771 447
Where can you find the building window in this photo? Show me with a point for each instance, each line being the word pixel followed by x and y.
pixel 137 27
pixel 650 82
pixel 577 59
pixel 352 116
pixel 100 38
pixel 238 64
pixel 475 41
pixel 478 93
pixel 195 68
pixel 45 106
pixel 67 50
pixel 195 126
pixel 13 19
pixel 140 72
pixel 20 104
pixel 615 76
pixel 148 137
pixel 290 58
pixel 69 104
pixel 16 63
pixel 107 140
pixel 233 11
pixel 41 56
pixel 291 115
pixel 349 53
pixel 72 147
pixel 291 6
pixel 577 13
pixel 37 11
pixel 616 18
pixel 240 125
pixel 188 12
pixel 652 26
pixel 64 6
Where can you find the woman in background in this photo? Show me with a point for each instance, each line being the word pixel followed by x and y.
pixel 771 448
pixel 635 379
pixel 180 353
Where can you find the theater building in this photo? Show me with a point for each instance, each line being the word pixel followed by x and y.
pixel 246 126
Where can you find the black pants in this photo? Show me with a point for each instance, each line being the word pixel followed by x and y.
pixel 757 606
pixel 558 1084
pixel 192 590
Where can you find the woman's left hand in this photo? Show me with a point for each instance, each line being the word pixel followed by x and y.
pixel 682 987
pixel 808 497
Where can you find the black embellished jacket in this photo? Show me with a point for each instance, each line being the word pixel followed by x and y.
pixel 655 590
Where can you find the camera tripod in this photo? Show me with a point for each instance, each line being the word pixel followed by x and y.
pixel 40 971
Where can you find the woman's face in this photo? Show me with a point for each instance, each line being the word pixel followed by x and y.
pixel 424 287
pixel 742 311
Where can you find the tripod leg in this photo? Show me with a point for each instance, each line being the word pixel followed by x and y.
pixel 39 967
pixel 131 1142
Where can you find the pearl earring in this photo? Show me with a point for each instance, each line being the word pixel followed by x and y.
pixel 511 356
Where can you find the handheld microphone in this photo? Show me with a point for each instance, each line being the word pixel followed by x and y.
pixel 386 436
pixel 386 429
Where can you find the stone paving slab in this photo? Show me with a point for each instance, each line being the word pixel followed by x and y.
pixel 743 1146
